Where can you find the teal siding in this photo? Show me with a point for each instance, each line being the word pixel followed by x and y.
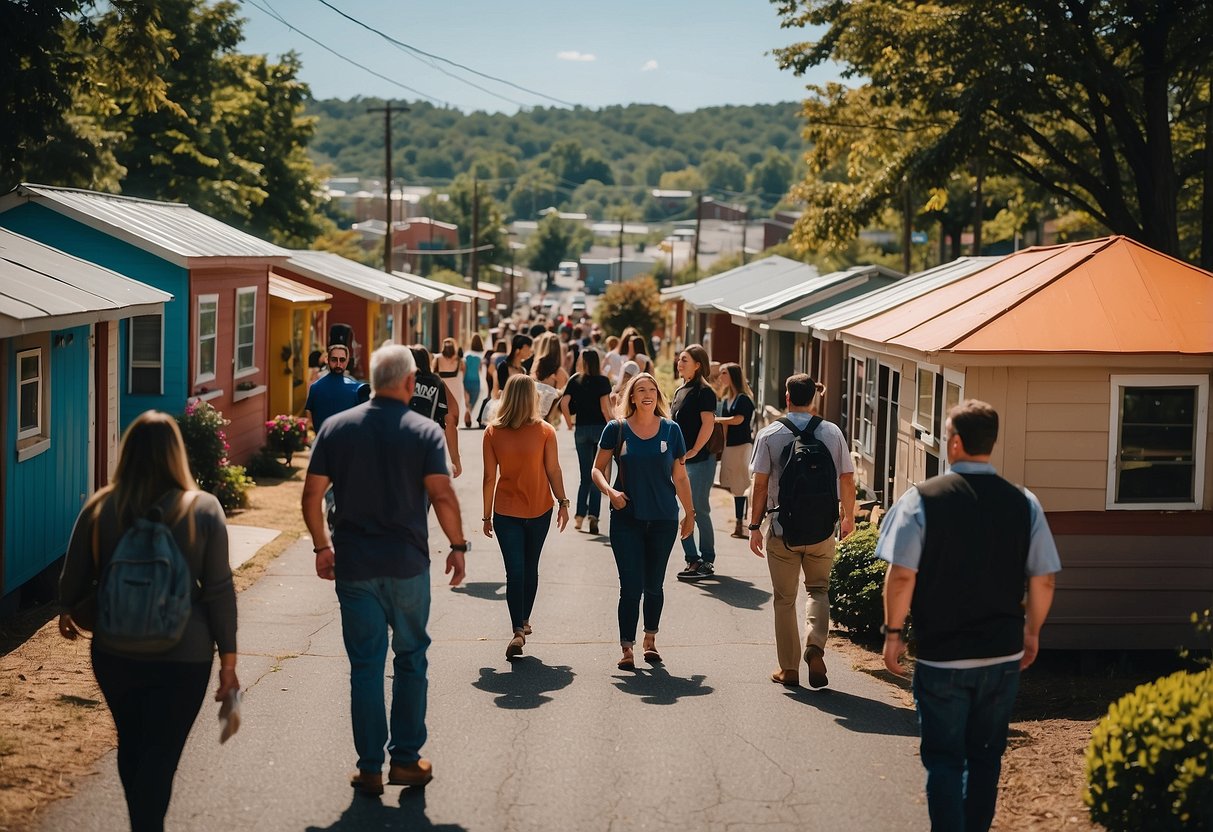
pixel 44 494
pixel 43 224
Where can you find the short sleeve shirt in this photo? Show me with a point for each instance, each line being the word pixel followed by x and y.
pixel 378 455
pixel 585 398
pixel 523 489
pixel 743 406
pixel 690 402
pixel 429 398
pixel 646 468
pixel 772 443
pixel 329 395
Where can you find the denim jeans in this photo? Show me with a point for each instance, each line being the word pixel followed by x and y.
pixel 368 608
pixel 701 475
pixel 589 498
pixel 963 717
pixel 642 550
pixel 521 541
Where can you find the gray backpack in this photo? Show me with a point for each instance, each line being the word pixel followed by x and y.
pixel 144 597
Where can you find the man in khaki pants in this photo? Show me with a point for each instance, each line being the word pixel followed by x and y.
pixel 814 560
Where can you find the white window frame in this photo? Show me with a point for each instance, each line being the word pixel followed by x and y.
pixel 40 380
pixel 925 423
pixel 132 364
pixel 869 404
pixel 239 371
pixel 199 377
pixel 956 378
pixel 1201 427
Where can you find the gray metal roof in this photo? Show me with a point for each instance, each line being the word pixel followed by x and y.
pixel 825 323
pixel 169 230
pixel 42 288
pixel 342 273
pixel 731 289
pixel 800 296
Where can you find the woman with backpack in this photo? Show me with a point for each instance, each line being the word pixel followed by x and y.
pixel 695 412
pixel 649 452
pixel 736 415
pixel 153 678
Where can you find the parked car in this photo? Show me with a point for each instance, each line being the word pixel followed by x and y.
pixel 523 301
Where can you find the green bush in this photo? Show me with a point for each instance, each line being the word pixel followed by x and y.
pixel 267 465
pixel 202 428
pixel 1148 764
pixel 857 583
pixel 232 487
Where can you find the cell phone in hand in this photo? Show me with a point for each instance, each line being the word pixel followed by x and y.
pixel 229 715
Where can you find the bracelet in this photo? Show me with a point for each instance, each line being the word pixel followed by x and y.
pixel 563 503
pixel 485 519
pixel 318 549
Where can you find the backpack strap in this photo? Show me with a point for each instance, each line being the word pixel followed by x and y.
pixel 807 433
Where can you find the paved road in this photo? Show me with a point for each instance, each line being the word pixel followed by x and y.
pixel 560 740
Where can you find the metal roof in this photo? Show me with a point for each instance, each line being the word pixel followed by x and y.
pixel 169 230
pixel 801 295
pixel 449 290
pixel 42 288
pixel 826 322
pixel 294 292
pixel 737 286
pixel 342 273
pixel 1111 295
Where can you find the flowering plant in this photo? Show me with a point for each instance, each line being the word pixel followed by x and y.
pixel 206 445
pixel 286 435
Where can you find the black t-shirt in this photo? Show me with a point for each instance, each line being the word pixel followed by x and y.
pixel 585 397
pixel 429 398
pixel 504 373
pixel 691 400
pixel 741 434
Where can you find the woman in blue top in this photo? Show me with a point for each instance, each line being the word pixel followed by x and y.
pixel 471 377
pixel 652 480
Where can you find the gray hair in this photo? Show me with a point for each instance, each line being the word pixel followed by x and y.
pixel 391 364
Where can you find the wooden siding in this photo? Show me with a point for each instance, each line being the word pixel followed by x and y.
pixel 346 308
pixel 41 223
pixel 43 494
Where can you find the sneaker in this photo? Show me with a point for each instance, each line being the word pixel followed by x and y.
pixel 706 570
pixel 411 774
pixel 815 657
pixel 693 572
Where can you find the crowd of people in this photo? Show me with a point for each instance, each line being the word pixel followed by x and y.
pixel 381 462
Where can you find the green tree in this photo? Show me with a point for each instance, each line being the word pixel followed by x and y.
pixel 723 170
pixel 687 179
pixel 771 178
pixel 569 161
pixel 549 245
pixel 634 302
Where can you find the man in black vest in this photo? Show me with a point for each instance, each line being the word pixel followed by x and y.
pixel 960 548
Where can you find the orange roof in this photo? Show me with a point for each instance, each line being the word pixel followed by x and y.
pixel 1110 295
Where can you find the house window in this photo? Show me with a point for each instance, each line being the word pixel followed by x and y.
pixel 924 415
pixel 1157 431
pixel 146 339
pixel 207 327
pixel 863 396
pixel 30 386
pixel 246 330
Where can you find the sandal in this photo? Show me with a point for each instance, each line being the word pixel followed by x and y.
pixel 628 662
pixel 650 652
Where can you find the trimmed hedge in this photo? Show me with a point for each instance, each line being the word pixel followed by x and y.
pixel 1148 764
pixel 857 583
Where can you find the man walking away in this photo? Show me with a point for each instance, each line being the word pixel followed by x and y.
pixel 959 548
pixel 333 392
pixel 386 463
pixel 801 472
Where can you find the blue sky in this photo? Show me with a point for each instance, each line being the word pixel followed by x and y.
pixel 685 54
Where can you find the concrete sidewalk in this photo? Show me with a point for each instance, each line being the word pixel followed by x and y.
pixel 559 740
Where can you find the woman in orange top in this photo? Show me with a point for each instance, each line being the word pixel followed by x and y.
pixel 521 474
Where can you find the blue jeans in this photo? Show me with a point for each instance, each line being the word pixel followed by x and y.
pixel 642 550
pixel 963 717
pixel 701 475
pixel 589 498
pixel 368 608
pixel 521 541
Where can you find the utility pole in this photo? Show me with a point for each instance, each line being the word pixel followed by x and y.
pixel 620 245
pixel 475 236
pixel 510 245
pixel 698 223
pixel 387 111
pixel 745 222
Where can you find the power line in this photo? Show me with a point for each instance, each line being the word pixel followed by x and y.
pixel 276 16
pixel 410 48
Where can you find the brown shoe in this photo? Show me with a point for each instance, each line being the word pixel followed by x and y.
pixel 786 678
pixel 369 783
pixel 514 648
pixel 739 530
pixel 817 666
pixel 412 774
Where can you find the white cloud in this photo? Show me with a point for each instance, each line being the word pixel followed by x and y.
pixel 649 65
pixel 574 55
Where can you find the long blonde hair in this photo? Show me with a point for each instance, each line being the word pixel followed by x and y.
pixel 519 403
pixel 151 462
pixel 627 407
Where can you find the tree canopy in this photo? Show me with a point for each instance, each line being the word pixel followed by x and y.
pixel 1102 105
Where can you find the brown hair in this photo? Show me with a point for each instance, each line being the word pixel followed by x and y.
pixel 976 423
pixel 477 345
pixel 627 407
pixel 547 355
pixel 700 356
pixel 802 389
pixel 737 382
pixel 591 362
pixel 448 348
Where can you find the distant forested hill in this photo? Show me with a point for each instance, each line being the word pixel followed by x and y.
pixel 579 159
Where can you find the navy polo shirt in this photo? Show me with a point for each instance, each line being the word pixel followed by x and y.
pixel 378 455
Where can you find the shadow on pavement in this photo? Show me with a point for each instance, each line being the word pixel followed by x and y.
pixel 656 686
pixel 733 591
pixel 865 716
pixel 373 813
pixel 524 686
pixel 485 590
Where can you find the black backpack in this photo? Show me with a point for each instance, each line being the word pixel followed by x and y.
pixel 808 488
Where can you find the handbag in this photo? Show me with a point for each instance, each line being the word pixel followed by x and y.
pixel 716 442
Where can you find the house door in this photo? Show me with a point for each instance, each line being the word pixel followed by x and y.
pixel 885 470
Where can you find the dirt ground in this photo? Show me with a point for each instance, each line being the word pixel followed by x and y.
pixel 54 726
pixel 53 722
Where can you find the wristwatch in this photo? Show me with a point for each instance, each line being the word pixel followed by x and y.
pixel 465 546
pixel 754 527
pixel 889 631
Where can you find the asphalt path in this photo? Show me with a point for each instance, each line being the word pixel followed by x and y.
pixel 559 739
